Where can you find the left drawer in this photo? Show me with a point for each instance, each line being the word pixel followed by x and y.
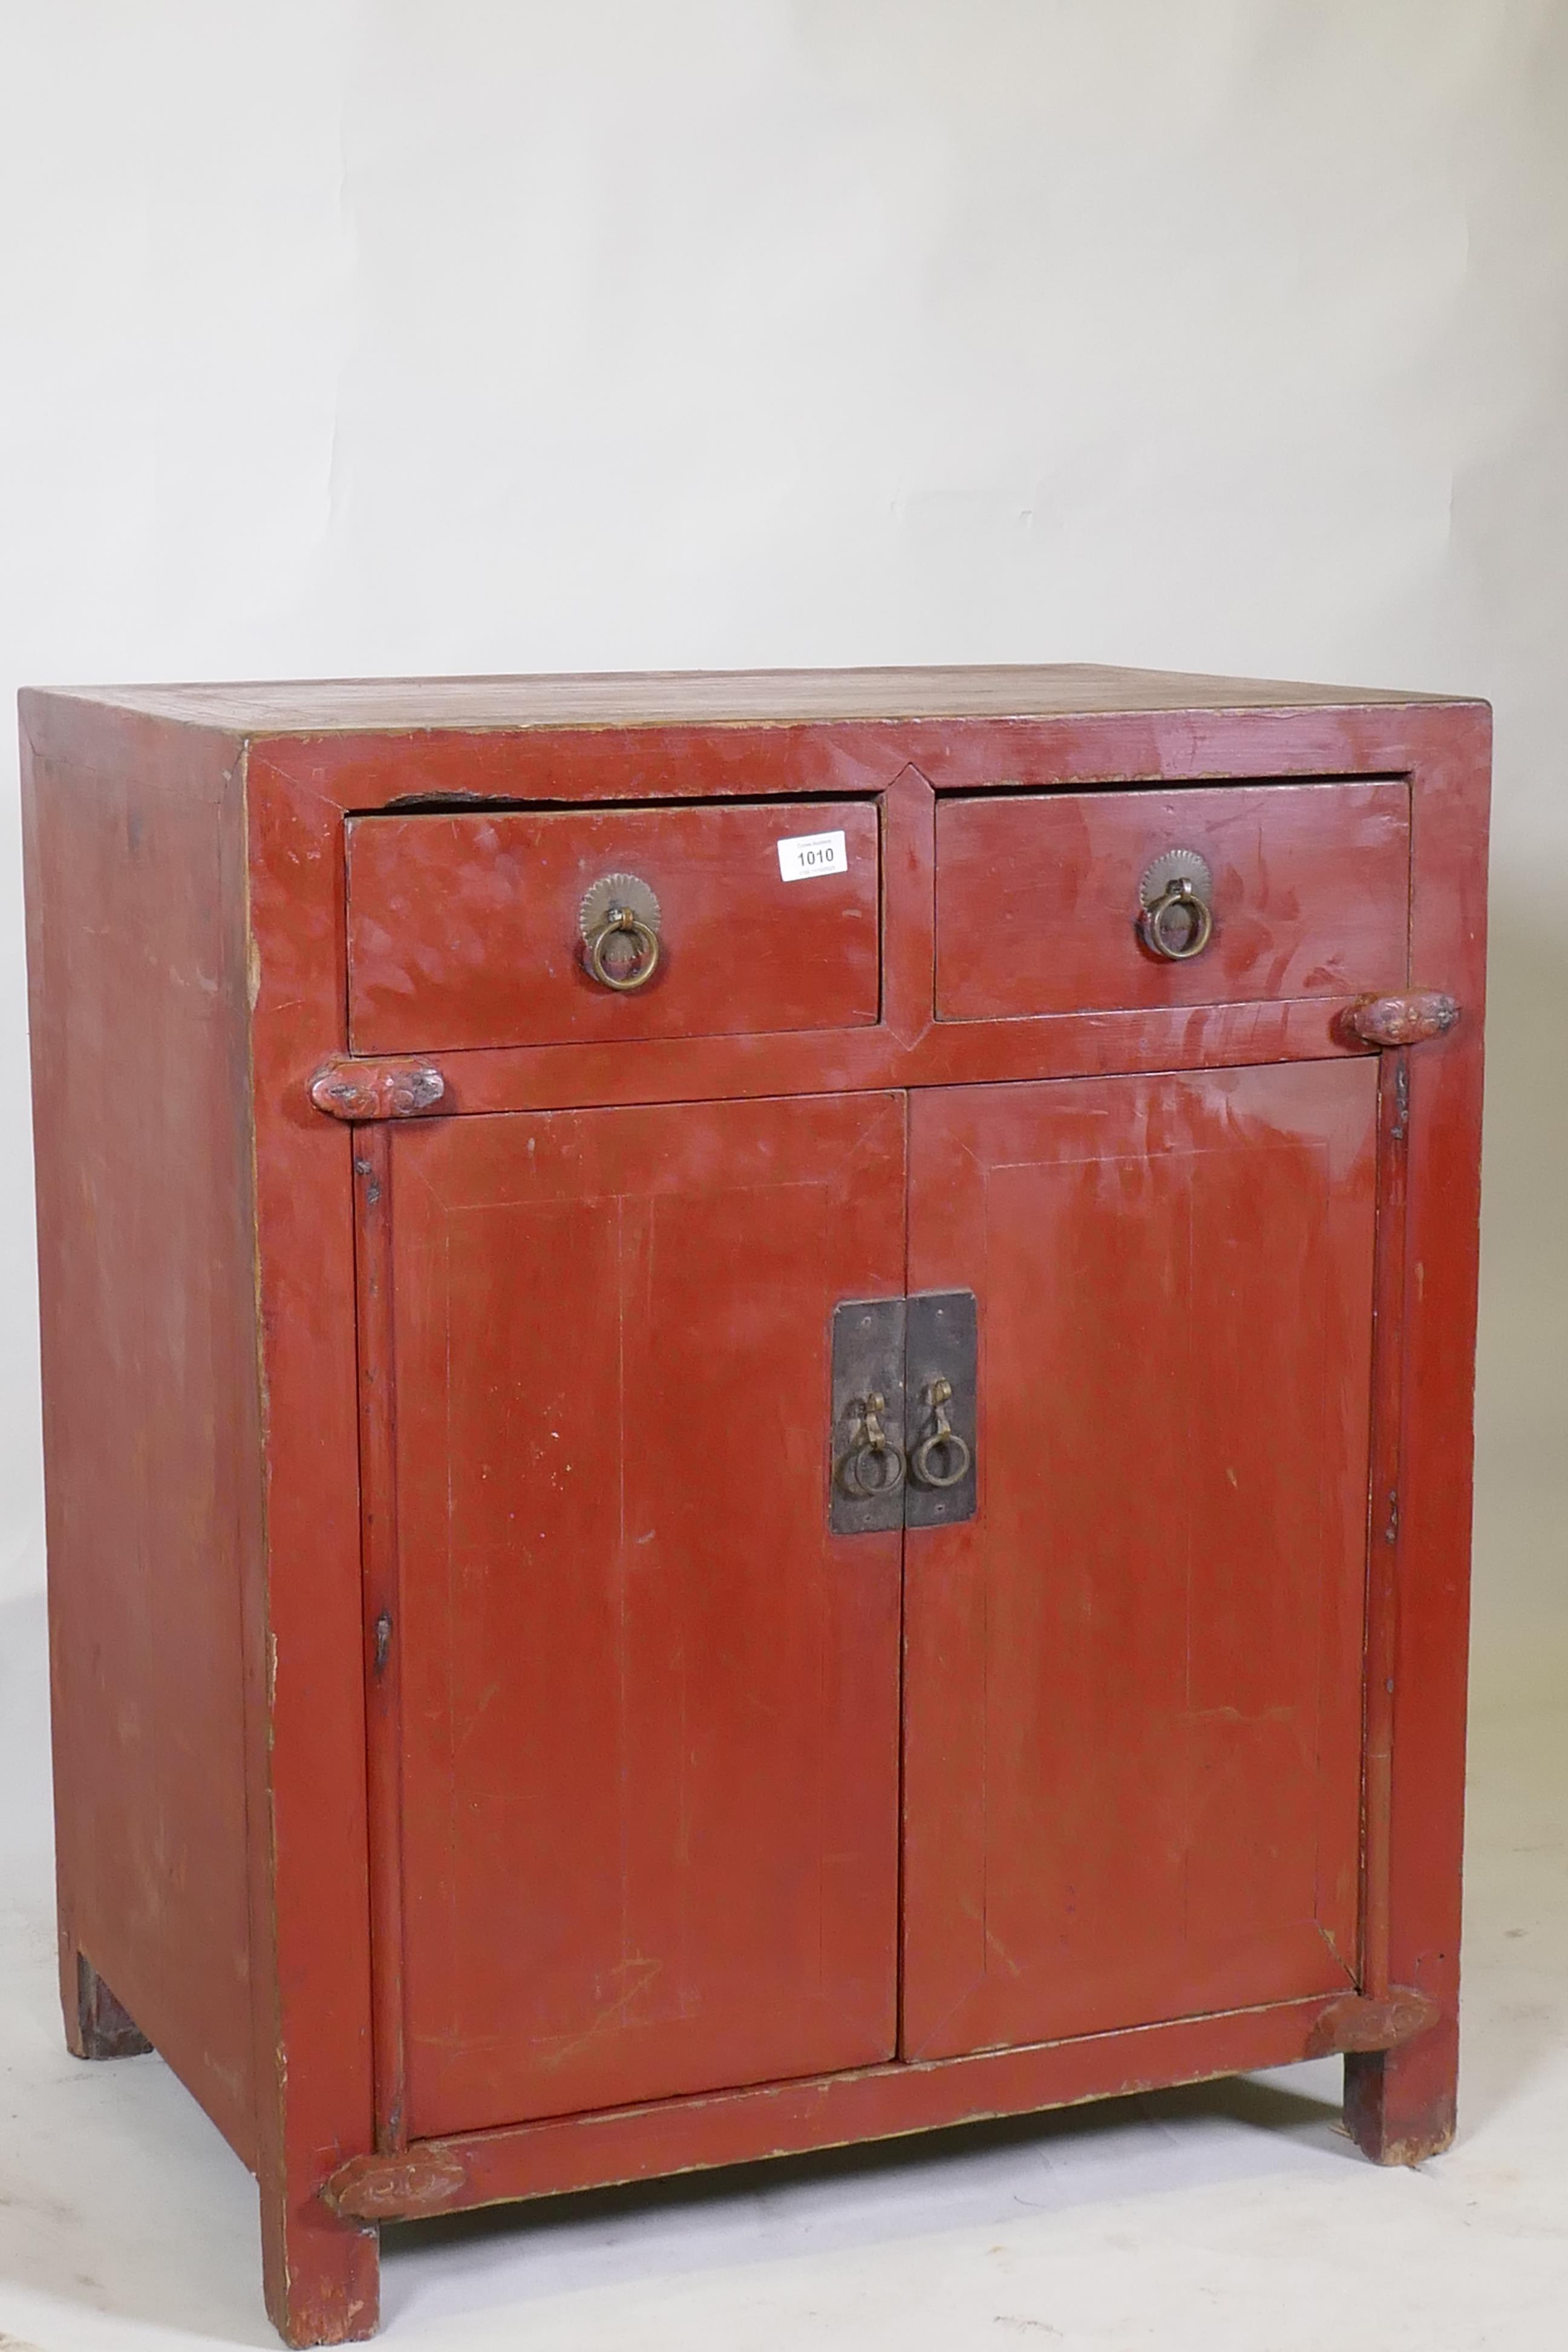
pixel 469 929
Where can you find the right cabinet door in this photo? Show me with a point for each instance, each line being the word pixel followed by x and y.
pixel 1133 1679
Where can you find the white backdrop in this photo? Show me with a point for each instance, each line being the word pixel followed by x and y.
pixel 342 337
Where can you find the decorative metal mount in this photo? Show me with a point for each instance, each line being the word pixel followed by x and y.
pixel 359 1091
pixel 1356 2022
pixel 400 2187
pixel 1412 1020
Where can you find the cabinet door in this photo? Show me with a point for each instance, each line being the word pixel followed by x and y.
pixel 651 1704
pixel 1133 1694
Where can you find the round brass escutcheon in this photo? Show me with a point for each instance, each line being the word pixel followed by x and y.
pixel 1176 917
pixel 619 920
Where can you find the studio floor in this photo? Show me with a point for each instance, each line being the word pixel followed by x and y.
pixel 1231 2214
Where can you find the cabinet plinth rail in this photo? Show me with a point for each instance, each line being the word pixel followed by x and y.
pixel 874 2102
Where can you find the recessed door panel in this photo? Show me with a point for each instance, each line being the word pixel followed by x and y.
pixel 1133 1694
pixel 650 1736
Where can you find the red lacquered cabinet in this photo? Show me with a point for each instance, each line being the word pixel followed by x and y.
pixel 757 1402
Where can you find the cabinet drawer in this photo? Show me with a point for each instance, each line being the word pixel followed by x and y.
pixel 1039 896
pixel 464 930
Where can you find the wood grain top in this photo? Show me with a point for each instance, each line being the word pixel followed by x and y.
pixel 710 698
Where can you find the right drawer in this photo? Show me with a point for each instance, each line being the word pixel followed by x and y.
pixel 1039 896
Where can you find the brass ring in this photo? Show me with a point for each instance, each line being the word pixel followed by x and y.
pixel 853 1472
pixel 920 1461
pixel 1152 922
pixel 620 923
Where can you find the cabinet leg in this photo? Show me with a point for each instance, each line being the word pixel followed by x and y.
pixel 96 2025
pixel 322 2276
pixel 1400 2104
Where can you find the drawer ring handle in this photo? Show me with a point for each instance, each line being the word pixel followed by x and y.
pixel 1175 920
pixel 620 906
pixel 873 1445
pixel 942 1435
pixel 620 923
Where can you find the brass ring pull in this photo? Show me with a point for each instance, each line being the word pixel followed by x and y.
pixel 1175 919
pixel 1197 924
pixel 620 906
pixel 943 1435
pixel 873 1448
pixel 620 923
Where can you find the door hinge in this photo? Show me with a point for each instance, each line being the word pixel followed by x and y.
pixel 1396 1133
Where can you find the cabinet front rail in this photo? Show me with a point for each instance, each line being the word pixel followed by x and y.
pixel 596 2151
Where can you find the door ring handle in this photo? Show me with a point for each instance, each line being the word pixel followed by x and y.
pixel 873 1444
pixel 919 1464
pixel 943 1434
pixel 856 1464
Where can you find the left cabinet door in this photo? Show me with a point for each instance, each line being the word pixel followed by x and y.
pixel 649 1703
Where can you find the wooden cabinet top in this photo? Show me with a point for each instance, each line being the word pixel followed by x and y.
pixel 712 698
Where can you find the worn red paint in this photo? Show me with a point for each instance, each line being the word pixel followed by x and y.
pixel 686 1874
pixel 1132 1683
pixel 247 1402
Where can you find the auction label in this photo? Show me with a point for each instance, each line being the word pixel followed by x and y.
pixel 809 853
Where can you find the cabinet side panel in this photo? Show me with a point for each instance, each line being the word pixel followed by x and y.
pixel 135 917
pixel 1401 2106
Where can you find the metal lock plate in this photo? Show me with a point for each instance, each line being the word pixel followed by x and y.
pixel 903 1436
pixel 868 1362
pixel 941 1338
